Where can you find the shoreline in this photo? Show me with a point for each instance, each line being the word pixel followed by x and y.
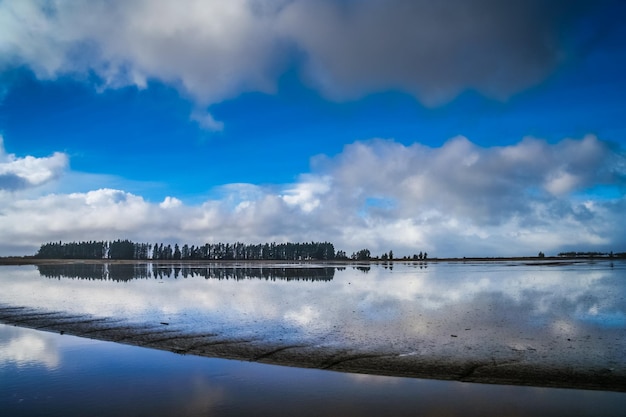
pixel 531 260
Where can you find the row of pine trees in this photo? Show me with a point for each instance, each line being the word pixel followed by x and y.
pixel 128 250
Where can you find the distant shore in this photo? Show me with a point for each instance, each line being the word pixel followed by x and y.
pixel 548 260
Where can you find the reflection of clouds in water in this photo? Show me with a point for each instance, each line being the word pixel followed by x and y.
pixel 374 379
pixel 25 347
pixel 564 328
pixel 372 308
pixel 445 285
pixel 203 398
pixel 304 316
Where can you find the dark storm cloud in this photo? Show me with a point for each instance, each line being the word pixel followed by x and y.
pixel 432 49
pixel 213 50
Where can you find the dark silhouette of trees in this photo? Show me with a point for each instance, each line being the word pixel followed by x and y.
pixel 73 250
pixel 238 251
pixel 122 249
pixel 422 256
pixel 177 254
pixel 587 254
pixel 125 249
pixel 362 255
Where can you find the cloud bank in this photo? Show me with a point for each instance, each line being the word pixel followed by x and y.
pixel 456 200
pixel 213 50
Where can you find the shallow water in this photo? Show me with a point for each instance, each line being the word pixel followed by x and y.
pixel 45 374
pixel 569 316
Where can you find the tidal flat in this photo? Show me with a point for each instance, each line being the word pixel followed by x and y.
pixel 548 325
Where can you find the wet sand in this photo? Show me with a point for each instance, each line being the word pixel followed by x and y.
pixel 450 361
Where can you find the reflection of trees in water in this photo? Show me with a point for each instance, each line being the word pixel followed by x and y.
pixel 96 271
pixel 126 272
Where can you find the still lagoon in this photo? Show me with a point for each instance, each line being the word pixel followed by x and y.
pixel 542 324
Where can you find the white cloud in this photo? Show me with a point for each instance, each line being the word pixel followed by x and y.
pixel 206 120
pixel 21 173
pixel 170 202
pixel 210 50
pixel 213 50
pixel 307 193
pixel 459 199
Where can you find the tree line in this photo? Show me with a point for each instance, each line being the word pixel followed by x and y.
pixel 366 255
pixel 592 254
pixel 128 250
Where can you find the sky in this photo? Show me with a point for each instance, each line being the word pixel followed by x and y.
pixel 458 128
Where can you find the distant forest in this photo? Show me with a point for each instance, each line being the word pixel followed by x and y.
pixel 127 250
pixel 592 254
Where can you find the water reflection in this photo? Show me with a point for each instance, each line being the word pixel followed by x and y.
pixel 126 272
pixel 23 348
pixel 572 314
pixel 408 297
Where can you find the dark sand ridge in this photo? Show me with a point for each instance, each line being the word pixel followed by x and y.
pixel 449 361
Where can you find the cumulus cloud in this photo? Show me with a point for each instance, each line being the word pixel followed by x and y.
pixel 170 202
pixel 486 184
pixel 306 194
pixel 461 195
pixel 210 50
pixel 214 50
pixel 456 200
pixel 21 173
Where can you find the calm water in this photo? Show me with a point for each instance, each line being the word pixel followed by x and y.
pixel 45 374
pixel 547 314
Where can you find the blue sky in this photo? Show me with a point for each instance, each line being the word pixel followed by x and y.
pixel 470 128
